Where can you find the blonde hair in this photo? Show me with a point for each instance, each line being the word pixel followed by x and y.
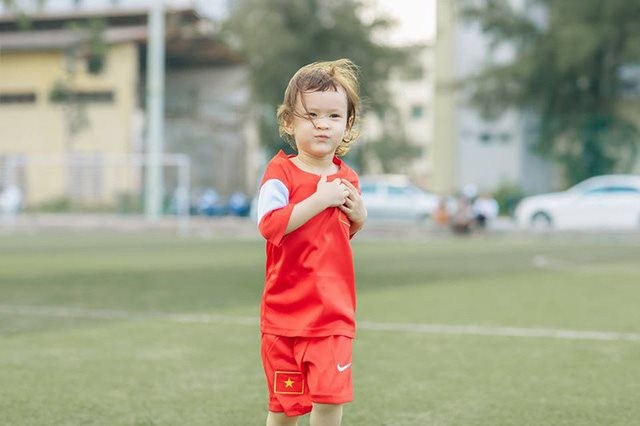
pixel 320 77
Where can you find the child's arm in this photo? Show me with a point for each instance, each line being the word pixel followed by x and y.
pixel 354 208
pixel 328 194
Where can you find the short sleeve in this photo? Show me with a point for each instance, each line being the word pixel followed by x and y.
pixel 274 208
pixel 274 224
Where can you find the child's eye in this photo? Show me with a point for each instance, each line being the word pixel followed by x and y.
pixel 335 116
pixel 312 114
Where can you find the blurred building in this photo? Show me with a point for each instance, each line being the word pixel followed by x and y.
pixel 411 92
pixel 413 95
pixel 630 106
pixel 469 150
pixel 51 62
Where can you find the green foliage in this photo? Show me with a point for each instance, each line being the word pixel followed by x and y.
pixel 567 73
pixel 130 203
pixel 76 116
pixel 55 205
pixel 125 204
pixel 21 10
pixel 392 149
pixel 97 47
pixel 508 195
pixel 277 37
pixel 94 48
pixel 392 152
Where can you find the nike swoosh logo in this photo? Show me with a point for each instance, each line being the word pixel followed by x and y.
pixel 341 368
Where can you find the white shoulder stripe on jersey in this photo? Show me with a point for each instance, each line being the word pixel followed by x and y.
pixel 273 195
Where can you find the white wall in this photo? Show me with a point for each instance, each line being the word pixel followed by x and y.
pixel 490 153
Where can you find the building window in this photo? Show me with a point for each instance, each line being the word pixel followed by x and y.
pixel 417 111
pixel 485 138
pixel 88 96
pixel 17 98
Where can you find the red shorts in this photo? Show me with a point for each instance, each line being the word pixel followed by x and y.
pixel 302 370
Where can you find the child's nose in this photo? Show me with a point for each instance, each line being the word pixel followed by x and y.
pixel 322 123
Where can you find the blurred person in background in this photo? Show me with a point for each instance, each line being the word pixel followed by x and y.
pixel 462 219
pixel 239 204
pixel 485 209
pixel 470 192
pixel 441 216
pixel 309 207
pixel 211 204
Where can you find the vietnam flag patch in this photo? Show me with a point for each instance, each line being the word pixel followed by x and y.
pixel 288 382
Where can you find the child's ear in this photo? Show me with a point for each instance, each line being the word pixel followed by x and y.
pixel 288 126
pixel 349 125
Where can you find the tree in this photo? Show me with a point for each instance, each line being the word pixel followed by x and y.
pixel 279 36
pixel 567 74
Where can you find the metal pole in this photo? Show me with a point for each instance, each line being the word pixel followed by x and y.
pixel 155 111
pixel 184 189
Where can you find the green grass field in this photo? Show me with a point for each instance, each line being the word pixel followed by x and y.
pixel 156 330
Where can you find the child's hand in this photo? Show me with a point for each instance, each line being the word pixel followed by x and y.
pixel 353 206
pixel 331 194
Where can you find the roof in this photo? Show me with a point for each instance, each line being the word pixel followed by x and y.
pixel 114 17
pixel 190 39
pixel 61 39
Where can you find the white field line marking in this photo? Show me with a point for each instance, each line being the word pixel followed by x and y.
pixel 83 313
pixel 478 330
pixel 420 328
pixel 554 264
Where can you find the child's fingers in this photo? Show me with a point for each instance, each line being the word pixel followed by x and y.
pixel 349 185
pixel 353 192
pixel 353 195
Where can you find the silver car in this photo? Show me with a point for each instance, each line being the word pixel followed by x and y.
pixel 393 197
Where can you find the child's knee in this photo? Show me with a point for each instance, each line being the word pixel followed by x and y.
pixel 281 419
pixel 327 408
pixel 326 414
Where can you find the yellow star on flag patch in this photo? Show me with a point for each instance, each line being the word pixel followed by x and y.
pixel 288 382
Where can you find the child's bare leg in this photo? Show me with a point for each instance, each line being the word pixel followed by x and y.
pixel 326 415
pixel 281 419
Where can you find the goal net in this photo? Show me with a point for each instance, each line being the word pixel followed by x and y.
pixel 96 183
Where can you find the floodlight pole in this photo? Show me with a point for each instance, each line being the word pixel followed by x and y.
pixel 155 110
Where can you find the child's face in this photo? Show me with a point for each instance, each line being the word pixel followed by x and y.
pixel 319 130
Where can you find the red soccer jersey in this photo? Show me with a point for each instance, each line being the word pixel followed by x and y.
pixel 310 284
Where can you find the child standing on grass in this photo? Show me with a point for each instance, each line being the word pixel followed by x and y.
pixel 309 207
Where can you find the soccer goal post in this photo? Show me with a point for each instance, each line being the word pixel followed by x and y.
pixel 98 182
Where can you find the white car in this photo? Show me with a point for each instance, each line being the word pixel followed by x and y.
pixel 393 197
pixel 601 202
